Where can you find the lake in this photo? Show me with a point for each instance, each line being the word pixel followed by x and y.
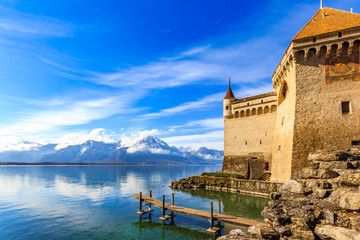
pixel 94 202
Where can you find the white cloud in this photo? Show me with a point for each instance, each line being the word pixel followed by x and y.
pixel 17 23
pixel 135 136
pixel 197 105
pixel 67 112
pixel 13 143
pixel 212 123
pixel 79 138
pixel 212 139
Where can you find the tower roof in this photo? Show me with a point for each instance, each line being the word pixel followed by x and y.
pixel 328 20
pixel 229 94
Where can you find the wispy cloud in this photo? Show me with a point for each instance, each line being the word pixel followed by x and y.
pixel 185 107
pixel 67 112
pixel 212 139
pixel 17 23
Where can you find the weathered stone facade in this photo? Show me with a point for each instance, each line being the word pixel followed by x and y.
pixel 317 99
pixel 249 134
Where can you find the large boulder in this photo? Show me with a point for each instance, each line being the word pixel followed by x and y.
pixel 345 198
pixel 311 173
pixel 267 231
pixel 292 186
pixel 336 233
pixel 329 156
pixel 352 178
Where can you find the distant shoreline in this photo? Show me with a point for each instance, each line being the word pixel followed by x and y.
pixel 91 164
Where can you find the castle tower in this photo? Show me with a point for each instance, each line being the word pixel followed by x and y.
pixel 318 92
pixel 228 100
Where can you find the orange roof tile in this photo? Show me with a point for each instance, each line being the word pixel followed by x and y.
pixel 334 20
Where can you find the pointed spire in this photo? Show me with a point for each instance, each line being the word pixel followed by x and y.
pixel 229 94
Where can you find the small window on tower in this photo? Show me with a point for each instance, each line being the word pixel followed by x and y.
pixel 345 107
pixel 227 107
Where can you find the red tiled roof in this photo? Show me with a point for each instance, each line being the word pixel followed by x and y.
pixel 328 20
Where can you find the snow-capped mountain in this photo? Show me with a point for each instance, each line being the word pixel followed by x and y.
pixel 90 151
pixel 149 150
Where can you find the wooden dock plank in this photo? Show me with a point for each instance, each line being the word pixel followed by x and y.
pixel 198 213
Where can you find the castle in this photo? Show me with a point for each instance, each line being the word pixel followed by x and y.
pixel 315 105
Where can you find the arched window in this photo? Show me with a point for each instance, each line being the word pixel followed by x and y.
pixel 266 109
pixel 248 112
pixel 273 108
pixel 236 114
pixel 260 110
pixel 242 113
pixel 253 111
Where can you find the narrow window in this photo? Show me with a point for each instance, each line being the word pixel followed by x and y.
pixel 245 142
pixel 340 34
pixel 260 142
pixel 314 39
pixel 227 107
pixel 345 107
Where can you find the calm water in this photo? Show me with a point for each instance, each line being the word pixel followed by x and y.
pixel 94 202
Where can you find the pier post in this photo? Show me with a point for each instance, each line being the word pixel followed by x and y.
pixel 172 203
pixel 219 208
pixel 140 205
pixel 150 195
pixel 211 215
pixel 163 206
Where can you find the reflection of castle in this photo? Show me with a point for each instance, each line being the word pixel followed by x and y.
pixel 315 106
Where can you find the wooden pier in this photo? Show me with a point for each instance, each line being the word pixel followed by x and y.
pixel 213 217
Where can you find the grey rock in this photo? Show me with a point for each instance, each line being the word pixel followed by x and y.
pixel 237 232
pixel 321 193
pixel 252 230
pixel 336 233
pixel 346 198
pixel 352 178
pixel 329 156
pixel 355 222
pixel 266 231
pixel 308 173
pixel 335 165
pixel 292 186
pixel 330 217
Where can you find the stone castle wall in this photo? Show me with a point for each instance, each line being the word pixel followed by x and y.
pixel 319 122
pixel 248 136
pixel 283 135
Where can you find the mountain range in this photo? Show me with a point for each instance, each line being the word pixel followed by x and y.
pixel 149 150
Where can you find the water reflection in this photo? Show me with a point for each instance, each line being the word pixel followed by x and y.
pixel 169 230
pixel 94 202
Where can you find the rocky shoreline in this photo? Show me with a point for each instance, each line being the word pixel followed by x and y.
pixel 324 203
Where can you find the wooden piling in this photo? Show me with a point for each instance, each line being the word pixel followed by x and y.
pixel 163 206
pixel 211 215
pixel 140 206
pixel 141 211
pixel 172 203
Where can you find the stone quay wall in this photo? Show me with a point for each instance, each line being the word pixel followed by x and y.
pixel 253 187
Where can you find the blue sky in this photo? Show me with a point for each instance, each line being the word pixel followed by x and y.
pixel 73 70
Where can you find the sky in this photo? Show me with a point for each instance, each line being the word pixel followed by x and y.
pixel 77 70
